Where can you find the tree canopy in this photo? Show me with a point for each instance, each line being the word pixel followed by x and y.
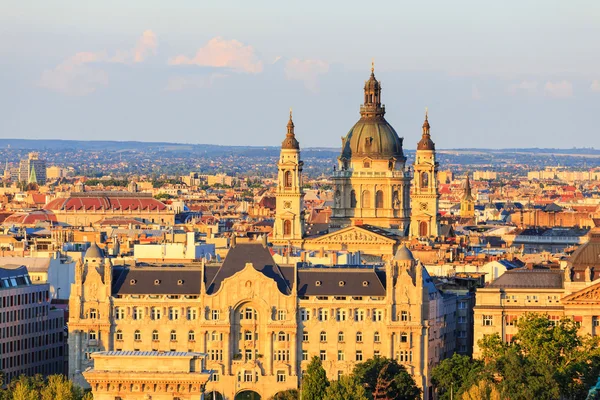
pixel 386 379
pixel 314 382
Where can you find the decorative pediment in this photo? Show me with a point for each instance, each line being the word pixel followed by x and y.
pixel 589 295
pixel 352 234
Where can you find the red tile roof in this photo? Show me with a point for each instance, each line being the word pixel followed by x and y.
pixel 106 201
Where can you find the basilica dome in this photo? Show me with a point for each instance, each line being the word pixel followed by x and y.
pixel 372 136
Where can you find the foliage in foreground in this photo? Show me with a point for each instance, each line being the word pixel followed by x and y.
pixel 54 387
pixel 547 360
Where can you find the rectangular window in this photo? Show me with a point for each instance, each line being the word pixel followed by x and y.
pixel 215 315
pixel 488 320
pixel 304 314
pixel 192 314
pixel 511 320
pixel 595 321
pixel 341 315
pixel 404 316
pixel 462 305
pixel 377 315
pixel 247 376
pixel 280 376
pixel 359 315
pixel 305 336
pixel 462 320
pixel 281 315
pixel 323 315
pixel 359 355
pixel 341 356
pixel 323 355
pixel 304 355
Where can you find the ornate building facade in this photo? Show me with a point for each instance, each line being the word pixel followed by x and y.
pixel 424 198
pixel 371 184
pixel 289 218
pixel 573 292
pixel 258 322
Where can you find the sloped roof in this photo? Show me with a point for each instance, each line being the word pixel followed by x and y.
pixel 341 281
pixel 526 278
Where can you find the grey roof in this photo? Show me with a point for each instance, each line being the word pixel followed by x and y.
pixel 157 280
pixel 243 253
pixel 403 254
pixel 526 278
pixel 94 252
pixel 327 281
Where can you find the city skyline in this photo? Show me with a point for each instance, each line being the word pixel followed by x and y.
pixel 491 76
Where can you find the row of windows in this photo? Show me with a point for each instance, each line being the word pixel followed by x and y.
pixel 48 368
pixel 173 313
pixel 23 314
pixel 359 337
pixel 342 315
pixel 511 320
pixel 32 342
pixel 137 335
pixel 25 298
pixel 30 327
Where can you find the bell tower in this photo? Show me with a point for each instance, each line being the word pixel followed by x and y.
pixel 424 198
pixel 467 203
pixel 289 214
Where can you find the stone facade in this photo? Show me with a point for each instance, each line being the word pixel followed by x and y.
pixel 259 323
pixel 573 292
pixel 136 375
pixel 424 198
pixel 289 217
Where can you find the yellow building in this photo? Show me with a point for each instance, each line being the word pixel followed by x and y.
pixel 467 203
pixel 573 292
pixel 147 375
pixel 371 185
pixel 289 217
pixel 424 197
pixel 258 322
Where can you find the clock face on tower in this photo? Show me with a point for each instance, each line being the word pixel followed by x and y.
pixel 423 206
pixel 287 204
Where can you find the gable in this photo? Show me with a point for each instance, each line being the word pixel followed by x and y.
pixel 589 295
pixel 352 234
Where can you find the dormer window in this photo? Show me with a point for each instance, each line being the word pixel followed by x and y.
pixel 365 283
pixel 318 283
pixel 132 282
pixel 157 281
pixel 180 282
pixel 342 283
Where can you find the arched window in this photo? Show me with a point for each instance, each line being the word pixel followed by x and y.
pixel 366 199
pixel 119 335
pixel 287 178
pixel 424 180
pixel 379 199
pixel 423 231
pixel 403 337
pixel 287 227
pixel 93 314
pixel 92 335
pixel 367 163
pixel 353 199
pixel 359 337
pixel 214 336
pixel 323 336
pixel 173 335
pixel 154 335
pixel 248 313
pixel 247 335
pixel 137 336
pixel 376 337
pixel 340 336
pixel 281 337
pixel 191 336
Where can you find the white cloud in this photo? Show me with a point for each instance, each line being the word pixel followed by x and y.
pixel 177 83
pixel 307 71
pixel 146 45
pixel 561 89
pixel 74 77
pixel 524 86
pixel 222 53
pixel 595 87
pixel 475 93
pixel 79 74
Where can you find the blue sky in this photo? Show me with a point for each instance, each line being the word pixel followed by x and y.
pixel 493 74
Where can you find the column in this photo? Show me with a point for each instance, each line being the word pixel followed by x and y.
pixel 294 355
pixel 391 348
pixel 269 370
pixel 227 354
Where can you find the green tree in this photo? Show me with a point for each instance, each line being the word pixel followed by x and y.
pixel 314 382
pixel 346 388
pixel 290 394
pixel 386 379
pixel 482 390
pixel 457 374
pixel 60 388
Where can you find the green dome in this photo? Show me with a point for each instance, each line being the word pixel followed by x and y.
pixel 374 138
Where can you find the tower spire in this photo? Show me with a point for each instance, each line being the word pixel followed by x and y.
pixel 290 141
pixel 372 105
pixel 468 195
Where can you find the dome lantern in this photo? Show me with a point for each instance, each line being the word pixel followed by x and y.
pixel 290 142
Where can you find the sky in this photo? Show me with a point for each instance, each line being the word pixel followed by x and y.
pixel 514 73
